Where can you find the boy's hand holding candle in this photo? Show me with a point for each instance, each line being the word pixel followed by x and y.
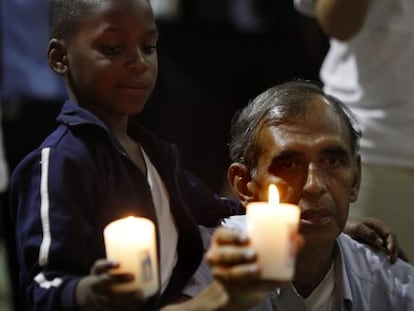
pixel 129 275
pixel 132 242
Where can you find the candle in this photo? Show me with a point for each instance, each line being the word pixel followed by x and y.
pixel 271 227
pixel 131 242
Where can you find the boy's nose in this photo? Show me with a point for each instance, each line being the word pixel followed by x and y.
pixel 137 60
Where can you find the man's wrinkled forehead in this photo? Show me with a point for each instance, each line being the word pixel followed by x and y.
pixel 315 115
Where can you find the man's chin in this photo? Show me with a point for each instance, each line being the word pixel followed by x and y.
pixel 318 235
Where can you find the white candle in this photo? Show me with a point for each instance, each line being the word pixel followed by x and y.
pixel 131 242
pixel 271 227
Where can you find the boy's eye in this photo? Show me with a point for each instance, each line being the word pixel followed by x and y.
pixel 150 49
pixel 112 49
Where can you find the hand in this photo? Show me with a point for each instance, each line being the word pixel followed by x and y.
pixel 234 264
pixel 211 298
pixel 374 232
pixel 94 292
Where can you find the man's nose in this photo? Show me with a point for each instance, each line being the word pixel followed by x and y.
pixel 314 183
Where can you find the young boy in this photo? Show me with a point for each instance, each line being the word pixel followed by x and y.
pixel 99 165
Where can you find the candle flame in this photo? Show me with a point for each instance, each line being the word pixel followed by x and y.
pixel 273 195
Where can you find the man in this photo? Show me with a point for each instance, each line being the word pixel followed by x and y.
pixel 306 142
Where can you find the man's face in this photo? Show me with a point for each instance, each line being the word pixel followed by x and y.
pixel 311 161
pixel 112 58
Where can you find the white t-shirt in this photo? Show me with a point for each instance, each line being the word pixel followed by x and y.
pixel 373 73
pixel 322 297
pixel 168 234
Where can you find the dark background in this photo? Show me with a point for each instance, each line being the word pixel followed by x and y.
pixel 209 68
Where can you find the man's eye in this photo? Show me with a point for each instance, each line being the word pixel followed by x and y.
pixel 288 165
pixel 332 162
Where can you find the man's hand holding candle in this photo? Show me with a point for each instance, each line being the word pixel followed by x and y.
pixel 234 264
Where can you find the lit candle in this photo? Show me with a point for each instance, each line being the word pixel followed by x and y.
pixel 131 242
pixel 272 227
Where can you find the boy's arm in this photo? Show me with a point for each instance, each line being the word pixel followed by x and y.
pixel 48 195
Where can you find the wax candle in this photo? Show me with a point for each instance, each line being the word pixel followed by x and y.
pixel 131 242
pixel 271 227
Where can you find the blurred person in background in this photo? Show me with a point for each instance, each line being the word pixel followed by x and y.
pixel 30 94
pixel 370 68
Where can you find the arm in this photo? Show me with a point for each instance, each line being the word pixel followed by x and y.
pixel 234 264
pixel 374 232
pixel 235 273
pixel 50 241
pixel 213 297
pixel 55 200
pixel 207 207
pixel 341 19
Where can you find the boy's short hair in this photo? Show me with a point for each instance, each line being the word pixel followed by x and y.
pixel 65 16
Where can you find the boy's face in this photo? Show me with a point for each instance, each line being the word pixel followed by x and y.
pixel 112 59
pixel 313 165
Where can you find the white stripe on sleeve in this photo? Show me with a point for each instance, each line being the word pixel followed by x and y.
pixel 44 208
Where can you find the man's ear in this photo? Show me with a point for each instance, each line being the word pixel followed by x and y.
pixel 239 178
pixel 353 194
pixel 57 56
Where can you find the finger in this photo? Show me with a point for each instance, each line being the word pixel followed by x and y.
pixel 381 229
pixel 103 265
pixel 392 247
pixel 103 284
pixel 242 272
pixel 224 235
pixel 230 255
pixel 369 234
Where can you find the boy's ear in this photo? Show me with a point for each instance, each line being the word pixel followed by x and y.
pixel 240 180
pixel 57 56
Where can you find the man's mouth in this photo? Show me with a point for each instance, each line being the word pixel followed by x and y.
pixel 316 217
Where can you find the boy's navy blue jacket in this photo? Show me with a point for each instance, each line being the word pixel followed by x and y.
pixel 79 180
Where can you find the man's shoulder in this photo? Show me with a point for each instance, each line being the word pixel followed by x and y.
pixel 368 270
pixel 362 256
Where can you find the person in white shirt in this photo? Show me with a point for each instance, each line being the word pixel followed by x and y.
pixel 370 67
